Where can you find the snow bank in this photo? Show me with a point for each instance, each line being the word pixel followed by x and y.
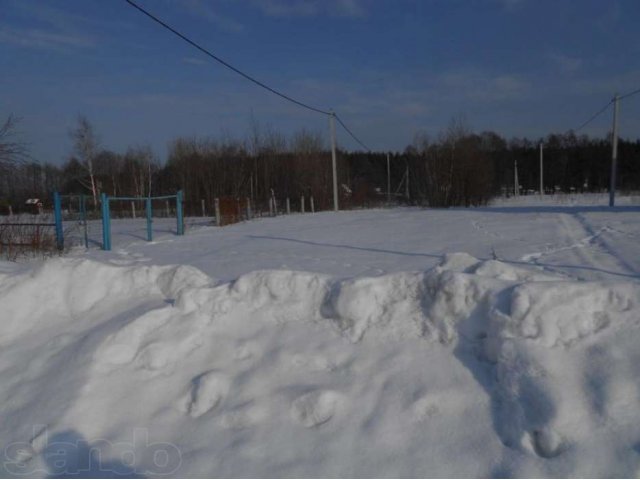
pixel 473 368
pixel 66 289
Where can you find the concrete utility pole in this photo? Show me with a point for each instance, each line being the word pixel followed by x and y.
pixel 406 185
pixel 541 173
pixel 516 185
pixel 614 153
pixel 332 129
pixel 388 180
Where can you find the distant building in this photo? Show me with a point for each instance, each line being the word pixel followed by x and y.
pixel 34 205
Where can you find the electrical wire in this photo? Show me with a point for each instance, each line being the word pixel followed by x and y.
pixel 219 60
pixel 350 132
pixel 630 94
pixel 241 73
pixel 594 116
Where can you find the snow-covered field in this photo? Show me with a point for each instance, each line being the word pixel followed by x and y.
pixel 498 341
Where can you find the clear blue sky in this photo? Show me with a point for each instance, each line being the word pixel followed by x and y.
pixel 389 68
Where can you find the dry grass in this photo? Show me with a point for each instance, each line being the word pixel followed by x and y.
pixel 19 240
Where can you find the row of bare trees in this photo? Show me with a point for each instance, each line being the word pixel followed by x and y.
pixel 269 165
pixel 456 168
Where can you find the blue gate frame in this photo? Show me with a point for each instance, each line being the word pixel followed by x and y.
pixel 82 210
pixel 57 214
pixel 106 214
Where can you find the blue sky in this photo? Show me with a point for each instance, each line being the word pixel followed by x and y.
pixel 389 68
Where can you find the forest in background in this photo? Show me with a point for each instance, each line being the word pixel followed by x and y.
pixel 455 168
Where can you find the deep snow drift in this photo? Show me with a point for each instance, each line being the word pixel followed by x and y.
pixel 471 368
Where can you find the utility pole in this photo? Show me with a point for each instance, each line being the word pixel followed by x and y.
pixel 541 173
pixel 388 181
pixel 332 129
pixel 516 186
pixel 406 185
pixel 614 153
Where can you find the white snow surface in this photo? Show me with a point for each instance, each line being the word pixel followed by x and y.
pixel 334 344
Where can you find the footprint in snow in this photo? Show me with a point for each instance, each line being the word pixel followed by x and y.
pixel 245 351
pixel 207 391
pixel 315 408
pixel 244 416
pixel 547 443
pixel 425 408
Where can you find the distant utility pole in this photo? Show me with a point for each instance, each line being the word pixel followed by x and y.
pixel 516 186
pixel 541 173
pixel 614 153
pixel 388 180
pixel 332 129
pixel 406 185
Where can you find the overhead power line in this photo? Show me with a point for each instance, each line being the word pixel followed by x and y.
pixel 240 72
pixel 599 112
pixel 630 94
pixel 594 116
pixel 351 133
pixel 219 60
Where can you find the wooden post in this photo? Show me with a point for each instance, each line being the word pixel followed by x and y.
pixel 313 208
pixel 216 203
pixel 133 209
pixel 149 212
pixel 203 209
pixel 248 208
pixel 288 207
pixel 301 203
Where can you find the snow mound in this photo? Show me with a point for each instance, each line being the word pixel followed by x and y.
pixel 281 372
pixel 63 289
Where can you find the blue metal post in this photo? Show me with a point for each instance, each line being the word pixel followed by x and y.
pixel 179 213
pixel 149 212
pixel 106 222
pixel 57 209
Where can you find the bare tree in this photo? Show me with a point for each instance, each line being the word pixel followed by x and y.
pixel 140 164
pixel 86 145
pixel 12 151
pixel 306 142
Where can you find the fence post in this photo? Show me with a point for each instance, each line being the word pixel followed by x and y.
pixel 106 223
pixel 288 206
pixel 180 213
pixel 248 208
pixel 216 206
pixel 57 208
pixel 301 203
pixel 203 209
pixel 133 209
pixel 149 213
pixel 83 217
pixel 166 208
pixel 313 208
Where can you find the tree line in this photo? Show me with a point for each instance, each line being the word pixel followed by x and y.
pixel 455 168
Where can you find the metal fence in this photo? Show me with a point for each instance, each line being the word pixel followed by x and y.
pixel 148 203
